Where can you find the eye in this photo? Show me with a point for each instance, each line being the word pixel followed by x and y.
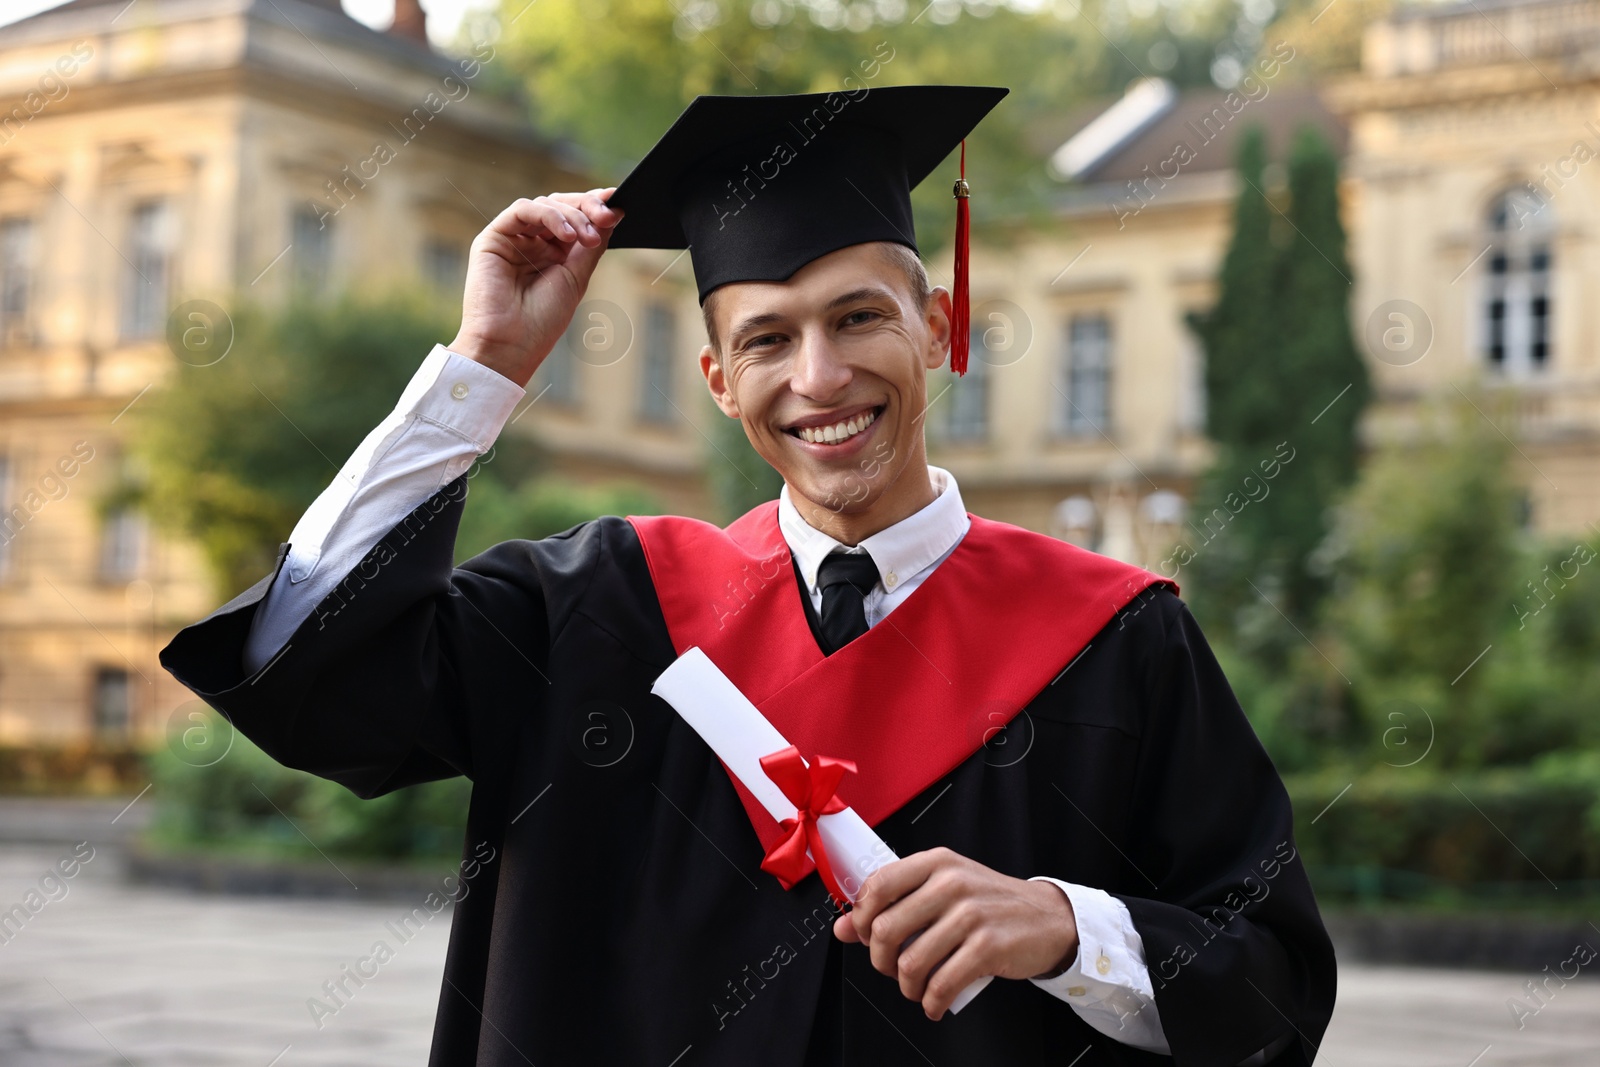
pixel 766 340
pixel 857 318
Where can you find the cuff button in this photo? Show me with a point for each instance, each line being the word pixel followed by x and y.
pixel 1103 964
pixel 1076 991
pixel 459 390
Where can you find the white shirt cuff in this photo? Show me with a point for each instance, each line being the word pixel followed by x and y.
pixel 467 400
pixel 1108 983
pixel 462 395
pixel 449 414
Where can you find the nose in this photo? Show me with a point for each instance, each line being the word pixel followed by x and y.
pixel 818 373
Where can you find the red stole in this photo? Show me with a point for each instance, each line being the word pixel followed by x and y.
pixel 913 697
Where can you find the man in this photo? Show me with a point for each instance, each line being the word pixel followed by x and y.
pixel 1040 732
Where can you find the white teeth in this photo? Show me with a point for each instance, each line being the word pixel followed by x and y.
pixel 839 431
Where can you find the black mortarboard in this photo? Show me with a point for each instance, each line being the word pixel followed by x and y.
pixel 756 187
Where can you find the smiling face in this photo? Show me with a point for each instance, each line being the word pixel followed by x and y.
pixel 827 373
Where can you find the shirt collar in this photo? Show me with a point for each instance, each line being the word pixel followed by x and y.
pixel 902 550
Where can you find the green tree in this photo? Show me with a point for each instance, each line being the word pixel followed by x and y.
pixel 1239 331
pixel 1285 389
pixel 233 453
pixel 611 75
pixel 1321 379
pixel 1238 335
pixel 1425 555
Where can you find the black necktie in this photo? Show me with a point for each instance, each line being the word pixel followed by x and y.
pixel 846 578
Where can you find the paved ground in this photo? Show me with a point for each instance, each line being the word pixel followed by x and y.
pixel 113 976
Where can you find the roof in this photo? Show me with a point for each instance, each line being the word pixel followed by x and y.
pixel 81 5
pixel 302 42
pixel 1207 121
pixel 325 18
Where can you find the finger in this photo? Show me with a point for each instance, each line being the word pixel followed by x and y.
pixel 892 881
pixel 521 253
pixel 526 220
pixel 966 965
pixel 922 954
pixel 593 206
pixel 535 218
pixel 915 912
pixel 574 217
pixel 845 929
pixel 585 258
pixel 525 251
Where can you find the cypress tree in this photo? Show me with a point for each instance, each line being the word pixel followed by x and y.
pixel 1322 381
pixel 1278 349
pixel 1238 333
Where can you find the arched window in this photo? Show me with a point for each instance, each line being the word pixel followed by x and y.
pixel 1516 303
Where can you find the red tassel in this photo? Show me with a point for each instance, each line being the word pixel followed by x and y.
pixel 961 313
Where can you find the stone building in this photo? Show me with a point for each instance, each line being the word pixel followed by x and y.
pixel 1082 410
pixel 1474 129
pixel 182 150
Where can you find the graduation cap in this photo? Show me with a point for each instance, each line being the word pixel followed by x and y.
pixel 756 187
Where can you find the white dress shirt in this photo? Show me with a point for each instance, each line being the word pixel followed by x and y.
pixel 452 411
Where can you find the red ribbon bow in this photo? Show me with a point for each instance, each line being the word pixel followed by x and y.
pixel 811 790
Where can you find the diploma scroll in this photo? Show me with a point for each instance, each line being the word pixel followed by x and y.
pixel 740 735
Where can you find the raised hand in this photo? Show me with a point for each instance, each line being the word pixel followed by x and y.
pixel 526 274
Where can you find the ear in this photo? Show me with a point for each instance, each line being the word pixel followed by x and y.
pixel 717 382
pixel 938 316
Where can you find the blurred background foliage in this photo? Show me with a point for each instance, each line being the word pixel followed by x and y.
pixel 1422 669
pixel 248 804
pixel 610 75
pixel 235 477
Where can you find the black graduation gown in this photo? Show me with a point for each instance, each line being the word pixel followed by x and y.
pixel 624 918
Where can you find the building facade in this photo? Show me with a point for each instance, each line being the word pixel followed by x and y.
pixel 208 150
pixel 184 150
pixel 1476 219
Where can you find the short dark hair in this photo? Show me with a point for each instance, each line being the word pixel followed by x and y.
pixel 902 257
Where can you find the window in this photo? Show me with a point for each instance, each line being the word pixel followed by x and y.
pixel 148 277
pixel 122 546
pixel 1192 387
pixel 16 279
pixel 311 258
pixel 960 403
pixel 660 347
pixel 1083 405
pixel 1516 302
pixel 444 265
pixel 113 704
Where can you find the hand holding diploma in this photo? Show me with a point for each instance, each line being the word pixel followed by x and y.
pixel 939 909
pixel 942 924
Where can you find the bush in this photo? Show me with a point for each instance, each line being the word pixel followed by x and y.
pixel 247 802
pixel 1411 834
